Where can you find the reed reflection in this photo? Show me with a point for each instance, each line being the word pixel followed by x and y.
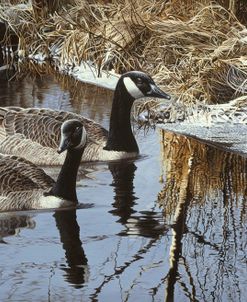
pixel 204 200
pixel 146 224
pixel 55 91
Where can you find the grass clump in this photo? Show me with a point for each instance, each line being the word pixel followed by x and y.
pixel 196 50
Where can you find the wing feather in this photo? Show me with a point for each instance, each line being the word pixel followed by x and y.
pixel 18 174
pixel 43 125
pixel 34 133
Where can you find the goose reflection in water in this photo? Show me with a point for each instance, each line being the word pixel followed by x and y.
pixel 76 270
pixel 143 223
pixel 11 224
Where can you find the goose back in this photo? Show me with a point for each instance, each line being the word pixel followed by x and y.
pixel 22 184
pixel 34 134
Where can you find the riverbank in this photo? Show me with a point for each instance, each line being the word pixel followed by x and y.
pixel 197 53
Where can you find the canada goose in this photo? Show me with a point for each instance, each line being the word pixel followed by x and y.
pixel 34 133
pixel 24 186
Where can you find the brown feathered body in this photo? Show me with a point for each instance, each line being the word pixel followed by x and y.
pixel 22 184
pixel 34 134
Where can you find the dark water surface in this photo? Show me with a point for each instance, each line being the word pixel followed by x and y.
pixel 137 238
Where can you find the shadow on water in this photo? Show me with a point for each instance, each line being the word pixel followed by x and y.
pixel 57 92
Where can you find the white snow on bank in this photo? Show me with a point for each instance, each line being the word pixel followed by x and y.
pixel 38 58
pixel 221 125
pixel 87 73
pixel 227 136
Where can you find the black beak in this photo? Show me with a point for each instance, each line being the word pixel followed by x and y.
pixel 156 92
pixel 64 145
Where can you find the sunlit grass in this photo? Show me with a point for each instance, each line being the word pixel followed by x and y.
pixel 193 52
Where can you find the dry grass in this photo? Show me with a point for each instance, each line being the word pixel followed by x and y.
pixel 194 49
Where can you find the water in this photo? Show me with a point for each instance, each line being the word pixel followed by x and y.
pixel 178 194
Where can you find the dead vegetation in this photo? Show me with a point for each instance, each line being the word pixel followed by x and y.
pixel 197 50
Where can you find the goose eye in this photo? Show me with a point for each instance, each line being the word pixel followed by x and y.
pixel 139 81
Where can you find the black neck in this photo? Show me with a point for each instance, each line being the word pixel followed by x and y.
pixel 120 136
pixel 65 186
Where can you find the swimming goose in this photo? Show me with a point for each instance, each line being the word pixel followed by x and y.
pixel 24 186
pixel 34 133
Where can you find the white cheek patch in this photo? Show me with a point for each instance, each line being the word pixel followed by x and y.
pixel 83 139
pixel 132 89
pixel 151 90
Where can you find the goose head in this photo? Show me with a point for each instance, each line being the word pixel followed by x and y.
pixel 73 136
pixel 138 85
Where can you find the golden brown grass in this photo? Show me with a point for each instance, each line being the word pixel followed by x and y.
pixel 194 49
